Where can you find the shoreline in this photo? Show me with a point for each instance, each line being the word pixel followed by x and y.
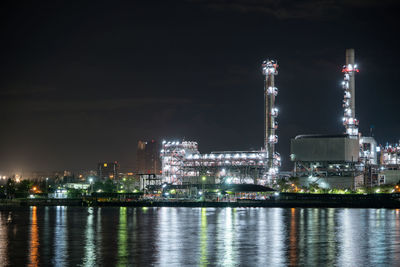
pixel 373 202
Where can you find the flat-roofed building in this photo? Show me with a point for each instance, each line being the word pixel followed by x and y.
pixel 328 160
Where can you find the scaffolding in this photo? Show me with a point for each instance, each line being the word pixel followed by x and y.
pixel 173 155
pixel 232 167
pixel 390 156
pixel 182 163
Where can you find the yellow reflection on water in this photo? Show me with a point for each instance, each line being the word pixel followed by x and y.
pixel 34 240
pixel 293 258
pixel 203 238
pixel 122 238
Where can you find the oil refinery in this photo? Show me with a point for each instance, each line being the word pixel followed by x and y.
pixel 183 163
pixel 346 160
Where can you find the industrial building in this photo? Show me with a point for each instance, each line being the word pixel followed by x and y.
pixel 347 160
pixel 148 157
pixel 389 159
pixel 182 163
pixel 107 170
pixel 329 160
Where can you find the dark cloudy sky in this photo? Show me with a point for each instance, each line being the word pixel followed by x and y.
pixel 82 81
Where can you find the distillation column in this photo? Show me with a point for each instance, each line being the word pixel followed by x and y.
pixel 349 119
pixel 269 69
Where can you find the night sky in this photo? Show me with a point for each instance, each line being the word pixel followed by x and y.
pixel 82 82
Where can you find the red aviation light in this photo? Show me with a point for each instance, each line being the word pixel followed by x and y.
pixel 346 69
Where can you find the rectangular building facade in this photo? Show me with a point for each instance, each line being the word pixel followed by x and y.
pixel 328 160
pixel 325 148
pixel 148 157
pixel 108 170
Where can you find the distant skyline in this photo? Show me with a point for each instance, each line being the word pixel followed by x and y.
pixel 82 82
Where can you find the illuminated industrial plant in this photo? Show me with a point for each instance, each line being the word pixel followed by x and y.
pixel 183 163
pixel 347 160
pixel 336 160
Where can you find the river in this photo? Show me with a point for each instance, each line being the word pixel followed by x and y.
pixel 124 236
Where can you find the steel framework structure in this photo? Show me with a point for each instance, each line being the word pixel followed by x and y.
pixel 228 167
pixel 269 70
pixel 173 155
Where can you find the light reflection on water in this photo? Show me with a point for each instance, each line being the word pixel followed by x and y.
pixel 34 240
pixel 90 248
pixel 122 238
pixel 61 236
pixel 227 225
pixel 203 238
pixel 292 238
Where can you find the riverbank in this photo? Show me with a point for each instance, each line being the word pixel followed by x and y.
pixel 284 200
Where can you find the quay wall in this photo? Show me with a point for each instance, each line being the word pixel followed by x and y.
pixel 283 201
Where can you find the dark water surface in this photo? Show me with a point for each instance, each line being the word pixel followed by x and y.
pixel 120 236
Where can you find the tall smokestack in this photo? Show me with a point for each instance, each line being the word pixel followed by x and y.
pixel 349 102
pixel 269 69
